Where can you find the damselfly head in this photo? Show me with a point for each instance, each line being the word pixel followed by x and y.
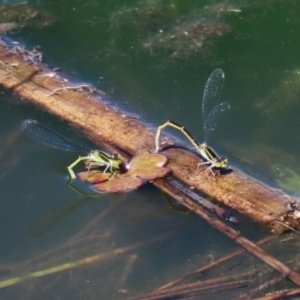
pixel 115 157
pixel 221 162
pixel 203 146
pixel 117 163
pixel 97 153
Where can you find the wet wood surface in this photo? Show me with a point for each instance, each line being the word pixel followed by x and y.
pixel 98 119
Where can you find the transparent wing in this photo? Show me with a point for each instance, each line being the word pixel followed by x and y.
pixel 46 136
pixel 212 92
pixel 210 123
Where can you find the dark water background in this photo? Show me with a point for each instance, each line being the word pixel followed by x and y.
pixel 126 48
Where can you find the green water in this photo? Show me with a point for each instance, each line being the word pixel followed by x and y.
pixel 139 54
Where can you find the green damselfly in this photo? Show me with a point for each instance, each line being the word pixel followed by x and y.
pixel 211 111
pixel 94 158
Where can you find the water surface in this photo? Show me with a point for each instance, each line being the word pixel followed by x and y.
pixel 148 58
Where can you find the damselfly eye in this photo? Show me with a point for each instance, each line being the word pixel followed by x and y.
pixel 223 160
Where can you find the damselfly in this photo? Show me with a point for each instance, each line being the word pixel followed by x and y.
pixel 94 158
pixel 211 111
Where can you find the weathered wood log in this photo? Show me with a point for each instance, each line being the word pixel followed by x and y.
pixel 89 111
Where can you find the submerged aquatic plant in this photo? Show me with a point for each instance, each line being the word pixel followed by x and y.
pixel 185 40
pixel 20 14
pixel 182 31
pixel 146 15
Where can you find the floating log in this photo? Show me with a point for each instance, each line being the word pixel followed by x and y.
pixel 92 113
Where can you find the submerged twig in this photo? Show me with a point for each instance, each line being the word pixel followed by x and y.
pixel 79 238
pixel 87 229
pixel 227 215
pixel 281 295
pixel 127 270
pixel 78 263
pixel 231 233
pixel 211 265
pixel 264 285
pixel 202 287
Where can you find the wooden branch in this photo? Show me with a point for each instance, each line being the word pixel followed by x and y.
pixel 233 234
pixel 201 288
pixel 89 111
pixel 280 295
pixel 210 265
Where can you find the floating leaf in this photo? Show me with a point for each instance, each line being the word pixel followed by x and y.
pixel 143 167
pixel 149 166
pixel 119 184
pixel 94 176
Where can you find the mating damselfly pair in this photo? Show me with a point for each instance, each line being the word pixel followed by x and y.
pixel 99 161
pixel 95 159
pixel 212 109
